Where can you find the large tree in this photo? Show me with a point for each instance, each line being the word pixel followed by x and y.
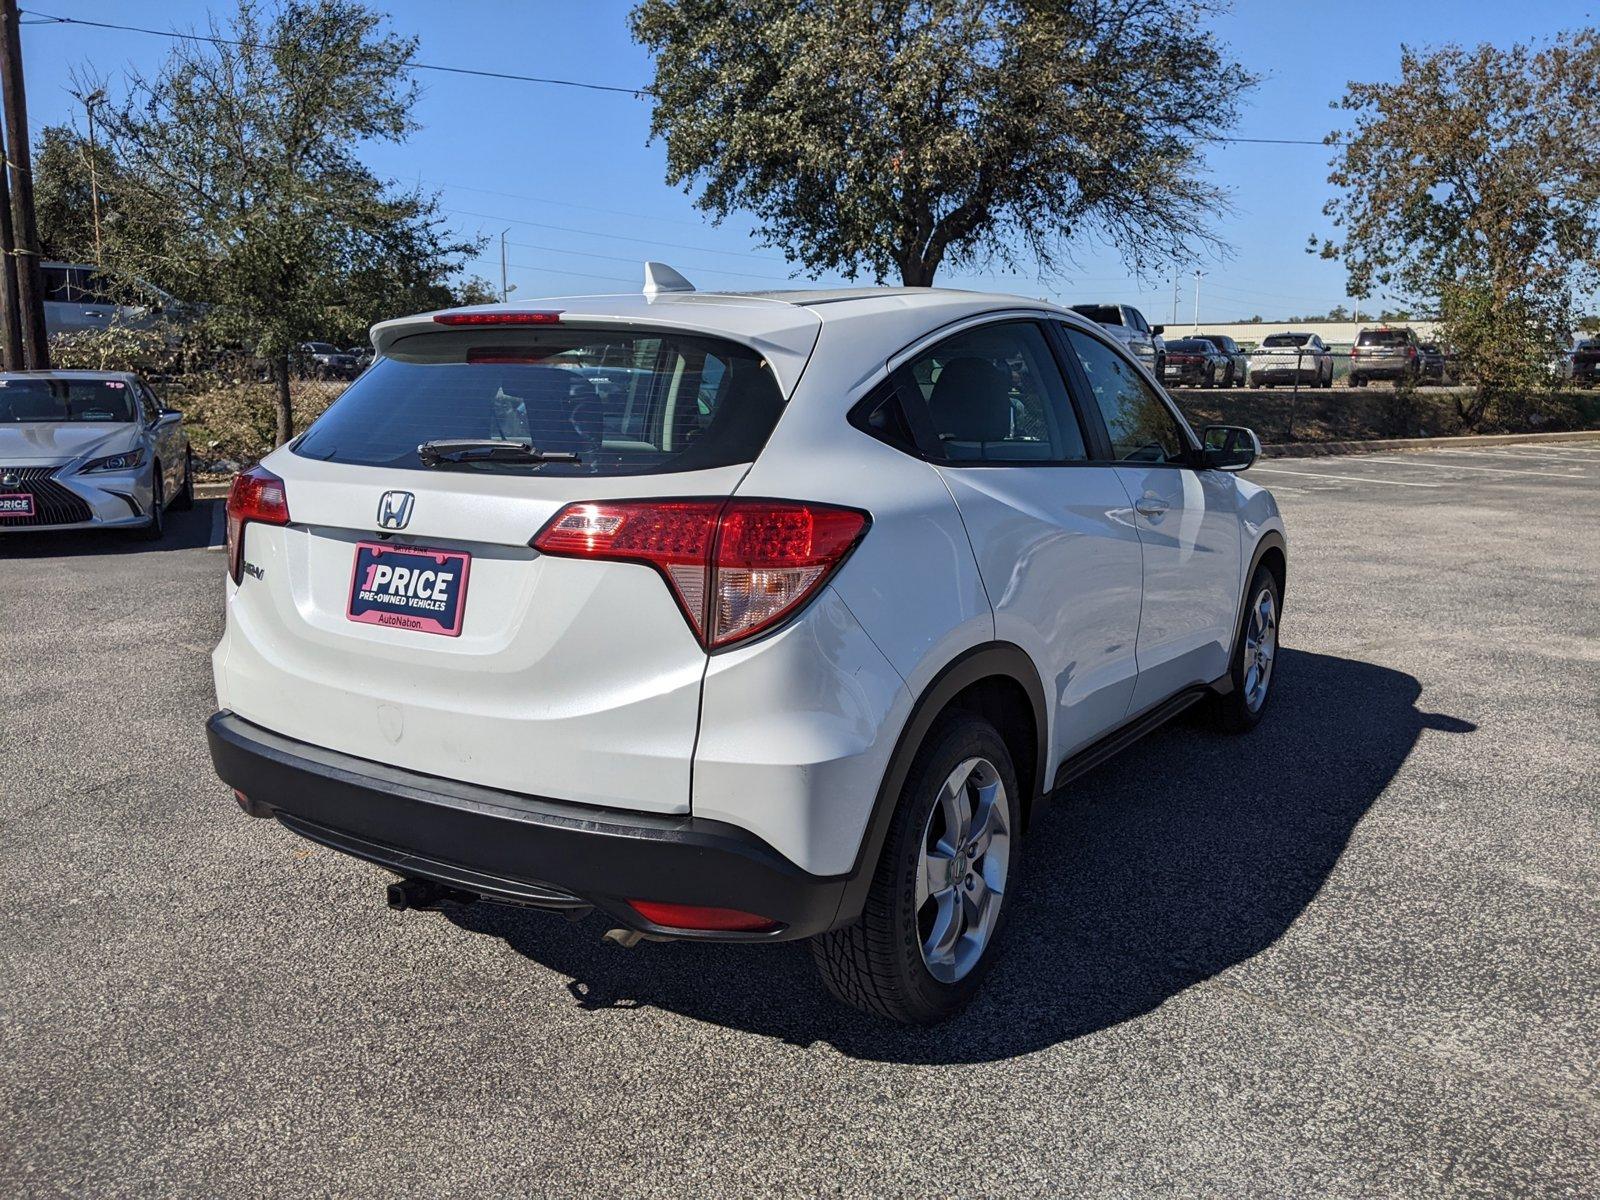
pixel 242 149
pixel 894 136
pixel 1471 186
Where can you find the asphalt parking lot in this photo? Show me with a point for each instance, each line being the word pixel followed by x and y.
pixel 1354 953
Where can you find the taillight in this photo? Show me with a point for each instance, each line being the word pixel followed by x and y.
pixel 736 567
pixel 254 495
pixel 1411 351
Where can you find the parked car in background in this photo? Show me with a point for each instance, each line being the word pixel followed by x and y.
pixel 1127 324
pixel 1385 354
pixel 324 360
pixel 791 653
pixel 1195 362
pixel 362 355
pixel 1289 358
pixel 1238 360
pixel 1431 363
pixel 1586 363
pixel 88 450
pixel 79 297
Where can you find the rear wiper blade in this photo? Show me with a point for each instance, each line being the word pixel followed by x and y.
pixel 466 450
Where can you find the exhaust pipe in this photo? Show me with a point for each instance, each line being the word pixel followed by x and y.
pixel 423 894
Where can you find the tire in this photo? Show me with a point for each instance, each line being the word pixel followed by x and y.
pixel 184 500
pixel 881 964
pixel 1241 709
pixel 158 509
pixel 1358 381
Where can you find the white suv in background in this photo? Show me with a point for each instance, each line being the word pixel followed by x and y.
pixel 750 617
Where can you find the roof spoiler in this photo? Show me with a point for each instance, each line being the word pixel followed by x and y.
pixel 658 278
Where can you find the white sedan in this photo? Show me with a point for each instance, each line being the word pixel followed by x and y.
pixel 89 450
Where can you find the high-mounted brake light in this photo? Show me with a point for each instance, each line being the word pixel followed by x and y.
pixel 254 495
pixel 499 318
pixel 736 567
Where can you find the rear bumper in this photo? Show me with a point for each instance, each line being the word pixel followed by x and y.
pixel 520 849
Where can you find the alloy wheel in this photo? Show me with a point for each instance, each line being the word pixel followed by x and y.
pixel 962 869
pixel 1260 648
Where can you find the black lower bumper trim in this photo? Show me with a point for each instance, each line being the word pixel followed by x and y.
pixel 520 849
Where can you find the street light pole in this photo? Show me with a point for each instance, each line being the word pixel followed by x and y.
pixel 90 101
pixel 1197 277
pixel 505 292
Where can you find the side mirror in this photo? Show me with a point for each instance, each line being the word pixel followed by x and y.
pixel 1158 329
pixel 1229 448
pixel 168 415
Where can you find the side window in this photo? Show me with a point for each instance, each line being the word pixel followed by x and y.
pixel 148 405
pixel 1141 427
pixel 995 394
pixel 1135 318
pixel 55 284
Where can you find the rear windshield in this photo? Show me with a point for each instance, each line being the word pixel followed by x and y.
pixel 624 403
pixel 1382 337
pixel 1287 339
pixel 1191 346
pixel 65 400
pixel 1100 314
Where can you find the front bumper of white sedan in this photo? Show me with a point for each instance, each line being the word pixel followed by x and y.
pixel 52 497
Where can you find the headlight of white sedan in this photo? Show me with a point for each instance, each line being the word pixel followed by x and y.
pixel 125 461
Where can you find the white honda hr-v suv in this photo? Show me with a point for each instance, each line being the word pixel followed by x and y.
pixel 747 617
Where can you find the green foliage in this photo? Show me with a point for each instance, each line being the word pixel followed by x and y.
pixel 1466 185
pixel 61 196
pixel 239 189
pixel 892 136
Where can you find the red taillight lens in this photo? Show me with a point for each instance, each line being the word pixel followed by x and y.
pixel 254 495
pixel 701 917
pixel 499 318
pixel 737 567
pixel 771 557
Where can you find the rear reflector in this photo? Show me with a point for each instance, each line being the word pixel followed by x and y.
pixel 701 917
pixel 254 495
pixel 499 318
pixel 737 567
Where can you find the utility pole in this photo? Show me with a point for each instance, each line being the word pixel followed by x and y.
pixel 1197 277
pixel 90 102
pixel 1174 296
pixel 30 282
pixel 11 358
pixel 505 292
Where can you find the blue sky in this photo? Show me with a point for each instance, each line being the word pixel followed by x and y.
pixel 573 177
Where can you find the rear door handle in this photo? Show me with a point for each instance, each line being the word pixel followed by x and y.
pixel 1151 506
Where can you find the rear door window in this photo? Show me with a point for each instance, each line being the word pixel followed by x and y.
pixel 624 403
pixel 995 395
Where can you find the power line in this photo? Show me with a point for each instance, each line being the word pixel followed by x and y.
pixel 50 19
pixel 617 237
pixel 617 89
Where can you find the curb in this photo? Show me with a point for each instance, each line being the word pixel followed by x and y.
pixel 1318 449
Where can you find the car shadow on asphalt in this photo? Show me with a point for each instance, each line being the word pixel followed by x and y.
pixel 192 530
pixel 1186 855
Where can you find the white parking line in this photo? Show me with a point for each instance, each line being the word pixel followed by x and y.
pixel 1419 461
pixel 1534 456
pixel 1345 478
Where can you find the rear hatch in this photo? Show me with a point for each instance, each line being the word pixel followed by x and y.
pixel 1282 351
pixel 1387 349
pixel 401 615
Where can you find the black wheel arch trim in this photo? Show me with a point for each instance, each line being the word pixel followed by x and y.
pixel 1270 540
pixel 973 665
